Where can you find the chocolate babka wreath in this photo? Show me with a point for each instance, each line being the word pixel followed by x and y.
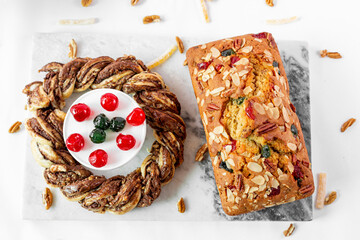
pixel 118 194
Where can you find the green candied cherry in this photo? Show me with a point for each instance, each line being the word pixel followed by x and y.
pixel 227 52
pixel 101 122
pixel 238 101
pixel 294 130
pixel 265 151
pixel 117 124
pixel 97 135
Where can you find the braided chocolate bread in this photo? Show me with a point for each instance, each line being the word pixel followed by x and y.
pixel 118 194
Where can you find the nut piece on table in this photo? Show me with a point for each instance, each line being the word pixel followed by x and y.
pixel 289 231
pixel 73 49
pixel 15 127
pixel 330 198
pixel 180 44
pixel 269 3
pixel 201 152
pixel 134 2
pixel 86 3
pixel 47 198
pixel 347 124
pixel 150 19
pixel 325 53
pixel 320 197
pixel 181 205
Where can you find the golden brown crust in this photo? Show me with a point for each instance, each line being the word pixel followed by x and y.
pixel 254 136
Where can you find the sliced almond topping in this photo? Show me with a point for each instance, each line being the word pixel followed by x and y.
pixel 274 183
pixel 230 195
pixel 216 160
pixel 217 90
pixel 218 129
pixel 227 83
pixel 285 115
pixel 291 199
pixel 247 49
pixel 243 61
pixel 290 167
pixel 255 167
pixel 262 187
pixel 259 108
pixel 243 72
pixel 277 101
pixel 247 90
pixel 235 78
pixel 253 189
pixel 259 180
pixel 205 118
pixel 231 162
pixel 215 52
pixel 292 146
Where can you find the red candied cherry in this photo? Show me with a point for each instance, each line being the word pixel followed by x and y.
pixel 203 65
pixel 98 158
pixel 136 117
pixel 75 142
pixel 233 60
pixel 109 102
pixel 125 142
pixel 260 35
pixel 80 111
pixel 233 145
pixel 249 112
pixel 218 67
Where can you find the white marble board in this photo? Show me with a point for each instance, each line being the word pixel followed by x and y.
pixel 193 181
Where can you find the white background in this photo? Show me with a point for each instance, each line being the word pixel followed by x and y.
pixel 330 24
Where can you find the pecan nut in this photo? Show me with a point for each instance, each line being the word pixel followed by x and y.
pixel 201 153
pixel 150 19
pixel 180 44
pixel 181 205
pixel 266 127
pixel 212 107
pixel 289 231
pixel 330 198
pixel 47 198
pixel 306 189
pixel 269 166
pixel 15 127
pixel 347 124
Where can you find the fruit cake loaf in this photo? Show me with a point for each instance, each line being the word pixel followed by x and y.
pixel 254 136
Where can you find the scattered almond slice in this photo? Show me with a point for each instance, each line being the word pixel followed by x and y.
pixel 321 192
pixel 201 152
pixel 73 49
pixel 282 21
pixel 205 11
pixel 160 60
pixel 77 21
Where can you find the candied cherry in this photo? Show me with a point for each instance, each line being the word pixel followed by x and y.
pixel 249 112
pixel 260 35
pixel 117 124
pixel 101 122
pixel 125 142
pixel 233 145
pixel 218 67
pixel 97 135
pixel 233 60
pixel 136 117
pixel 75 142
pixel 98 158
pixel 80 111
pixel 109 102
pixel 203 65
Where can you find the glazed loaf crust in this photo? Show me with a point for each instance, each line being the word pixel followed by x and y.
pixel 254 136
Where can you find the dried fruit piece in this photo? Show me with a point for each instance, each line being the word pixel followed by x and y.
pixel 227 52
pixel 320 198
pixel 205 11
pixel 125 142
pixel 77 21
pixel 80 111
pixel 282 21
pixel 109 102
pixel 347 124
pixel 330 198
pixel 325 53
pixel 201 153
pixel 185 63
pixel 101 121
pixel 249 112
pixel 157 61
pixel 181 205
pixel 86 3
pixel 98 135
pixel 15 127
pixel 47 198
pixel 180 44
pixel 224 166
pixel 134 2
pixel 266 127
pixel 203 65
pixel 73 49
pixel 294 130
pixel 238 101
pixel 265 151
pixel 136 117
pixel 289 231
pixel 75 142
pixel 269 3
pixel 98 158
pixel 151 18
